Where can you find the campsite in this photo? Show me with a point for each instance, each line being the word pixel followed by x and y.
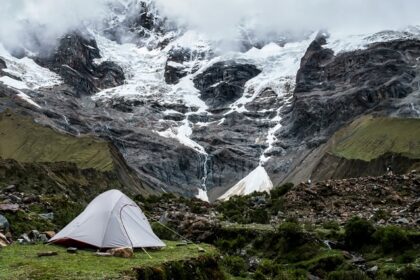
pixel 250 237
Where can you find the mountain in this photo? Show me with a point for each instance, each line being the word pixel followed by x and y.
pixel 181 115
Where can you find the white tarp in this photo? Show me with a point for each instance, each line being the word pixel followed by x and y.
pixel 111 220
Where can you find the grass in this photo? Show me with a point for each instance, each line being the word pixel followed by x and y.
pixel 21 262
pixel 369 138
pixel 23 140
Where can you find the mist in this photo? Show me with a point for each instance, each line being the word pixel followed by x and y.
pixel 220 19
pixel 36 24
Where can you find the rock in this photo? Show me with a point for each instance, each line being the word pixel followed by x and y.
pixel 9 207
pixel 72 250
pixel 10 189
pixel 30 199
pixel 223 82
pixel 24 239
pixel 49 234
pixel 74 62
pixel 3 240
pixel 4 224
pixel 402 221
pixel 101 254
pixel 122 252
pixel 47 216
pixel 373 269
pixel 47 254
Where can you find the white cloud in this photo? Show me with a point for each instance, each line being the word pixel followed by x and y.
pixel 37 23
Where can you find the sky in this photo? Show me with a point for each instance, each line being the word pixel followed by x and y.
pixel 39 22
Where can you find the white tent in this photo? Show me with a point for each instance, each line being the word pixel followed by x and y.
pixel 111 220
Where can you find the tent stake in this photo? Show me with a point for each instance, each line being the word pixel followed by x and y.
pixel 150 257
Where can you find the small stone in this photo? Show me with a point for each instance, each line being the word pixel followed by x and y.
pixel 402 221
pixel 72 250
pixel 47 216
pixel 9 189
pixel 100 254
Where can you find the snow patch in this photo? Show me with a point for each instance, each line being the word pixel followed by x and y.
pixel 256 181
pixel 202 194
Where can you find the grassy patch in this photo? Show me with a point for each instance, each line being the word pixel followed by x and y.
pixel 21 262
pixel 369 138
pixel 25 141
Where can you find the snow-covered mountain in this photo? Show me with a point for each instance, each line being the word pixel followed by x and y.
pixel 192 118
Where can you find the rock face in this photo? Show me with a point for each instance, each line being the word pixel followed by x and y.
pixel 74 61
pixel 192 120
pixel 223 83
pixel 333 89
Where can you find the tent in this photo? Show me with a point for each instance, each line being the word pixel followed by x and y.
pixel 111 220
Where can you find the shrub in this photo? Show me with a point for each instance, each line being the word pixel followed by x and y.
pixel 358 232
pixel 235 265
pixel 163 233
pixel 281 190
pixel 259 216
pixel 391 238
pixel 332 225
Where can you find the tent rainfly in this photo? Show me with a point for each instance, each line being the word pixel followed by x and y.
pixel 111 220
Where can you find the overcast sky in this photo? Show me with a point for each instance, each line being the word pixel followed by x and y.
pixel 217 18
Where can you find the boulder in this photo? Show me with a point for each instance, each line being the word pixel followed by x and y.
pixel 4 224
pixel 3 240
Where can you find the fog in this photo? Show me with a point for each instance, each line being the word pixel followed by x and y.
pixel 220 18
pixel 36 24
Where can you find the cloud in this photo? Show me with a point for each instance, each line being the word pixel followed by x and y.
pixel 36 24
pixel 220 18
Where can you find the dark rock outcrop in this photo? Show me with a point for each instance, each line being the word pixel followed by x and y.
pixel 223 82
pixel 73 60
pixel 333 89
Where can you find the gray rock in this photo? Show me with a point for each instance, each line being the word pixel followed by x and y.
pixel 47 216
pixel 4 224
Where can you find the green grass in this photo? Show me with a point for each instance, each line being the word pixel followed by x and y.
pixel 369 138
pixel 21 262
pixel 25 141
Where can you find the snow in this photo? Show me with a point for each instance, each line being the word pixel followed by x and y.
pixel 32 75
pixel 256 181
pixel 13 83
pixel 202 194
pixel 27 99
pixel 342 42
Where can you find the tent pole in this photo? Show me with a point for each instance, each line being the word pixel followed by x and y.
pixel 183 237
pixel 150 257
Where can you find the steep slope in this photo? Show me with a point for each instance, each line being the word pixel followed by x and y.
pixel 194 119
pixel 371 146
pixel 39 159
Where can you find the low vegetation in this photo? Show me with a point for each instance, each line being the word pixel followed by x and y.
pixel 21 262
